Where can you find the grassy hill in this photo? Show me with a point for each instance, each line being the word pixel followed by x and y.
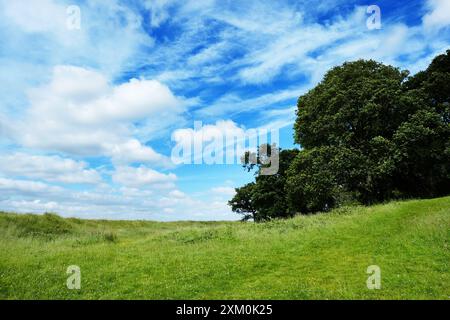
pixel 309 257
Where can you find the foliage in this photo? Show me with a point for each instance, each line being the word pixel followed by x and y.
pixel 369 133
pixel 265 198
pixel 242 202
pixel 423 142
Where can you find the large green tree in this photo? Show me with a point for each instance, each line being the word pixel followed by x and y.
pixel 371 133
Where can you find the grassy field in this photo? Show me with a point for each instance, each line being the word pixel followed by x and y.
pixel 309 257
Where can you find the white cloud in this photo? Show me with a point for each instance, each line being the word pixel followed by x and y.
pixel 158 11
pixel 86 98
pixel 219 143
pixel 4 128
pixel 232 104
pixel 106 202
pixel 39 27
pixel 224 191
pixel 177 194
pixel 78 112
pixel 48 168
pixel 207 131
pixel 25 187
pixel 133 151
pixel 143 177
pixel 270 39
pixel 439 15
pixel 37 16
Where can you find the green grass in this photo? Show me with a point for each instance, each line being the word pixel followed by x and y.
pixel 309 257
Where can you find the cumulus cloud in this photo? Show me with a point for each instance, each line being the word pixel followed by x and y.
pixel 79 112
pixel 133 151
pixel 143 177
pixel 48 168
pixel 12 187
pixel 224 191
pixel 177 194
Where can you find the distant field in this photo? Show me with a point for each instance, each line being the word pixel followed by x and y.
pixel 309 257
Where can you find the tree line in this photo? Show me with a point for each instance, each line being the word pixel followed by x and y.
pixel 368 133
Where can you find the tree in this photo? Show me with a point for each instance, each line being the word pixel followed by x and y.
pixel 312 181
pixel 242 202
pixel 345 125
pixel 371 133
pixel 423 141
pixel 265 198
pixel 355 103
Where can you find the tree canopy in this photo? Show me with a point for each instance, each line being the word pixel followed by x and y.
pixel 368 133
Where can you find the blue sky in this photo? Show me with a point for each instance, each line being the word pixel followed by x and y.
pixel 87 114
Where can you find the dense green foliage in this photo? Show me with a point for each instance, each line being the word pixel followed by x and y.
pixel 323 256
pixel 369 133
pixel 265 198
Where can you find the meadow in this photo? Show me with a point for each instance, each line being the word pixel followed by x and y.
pixel 322 256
